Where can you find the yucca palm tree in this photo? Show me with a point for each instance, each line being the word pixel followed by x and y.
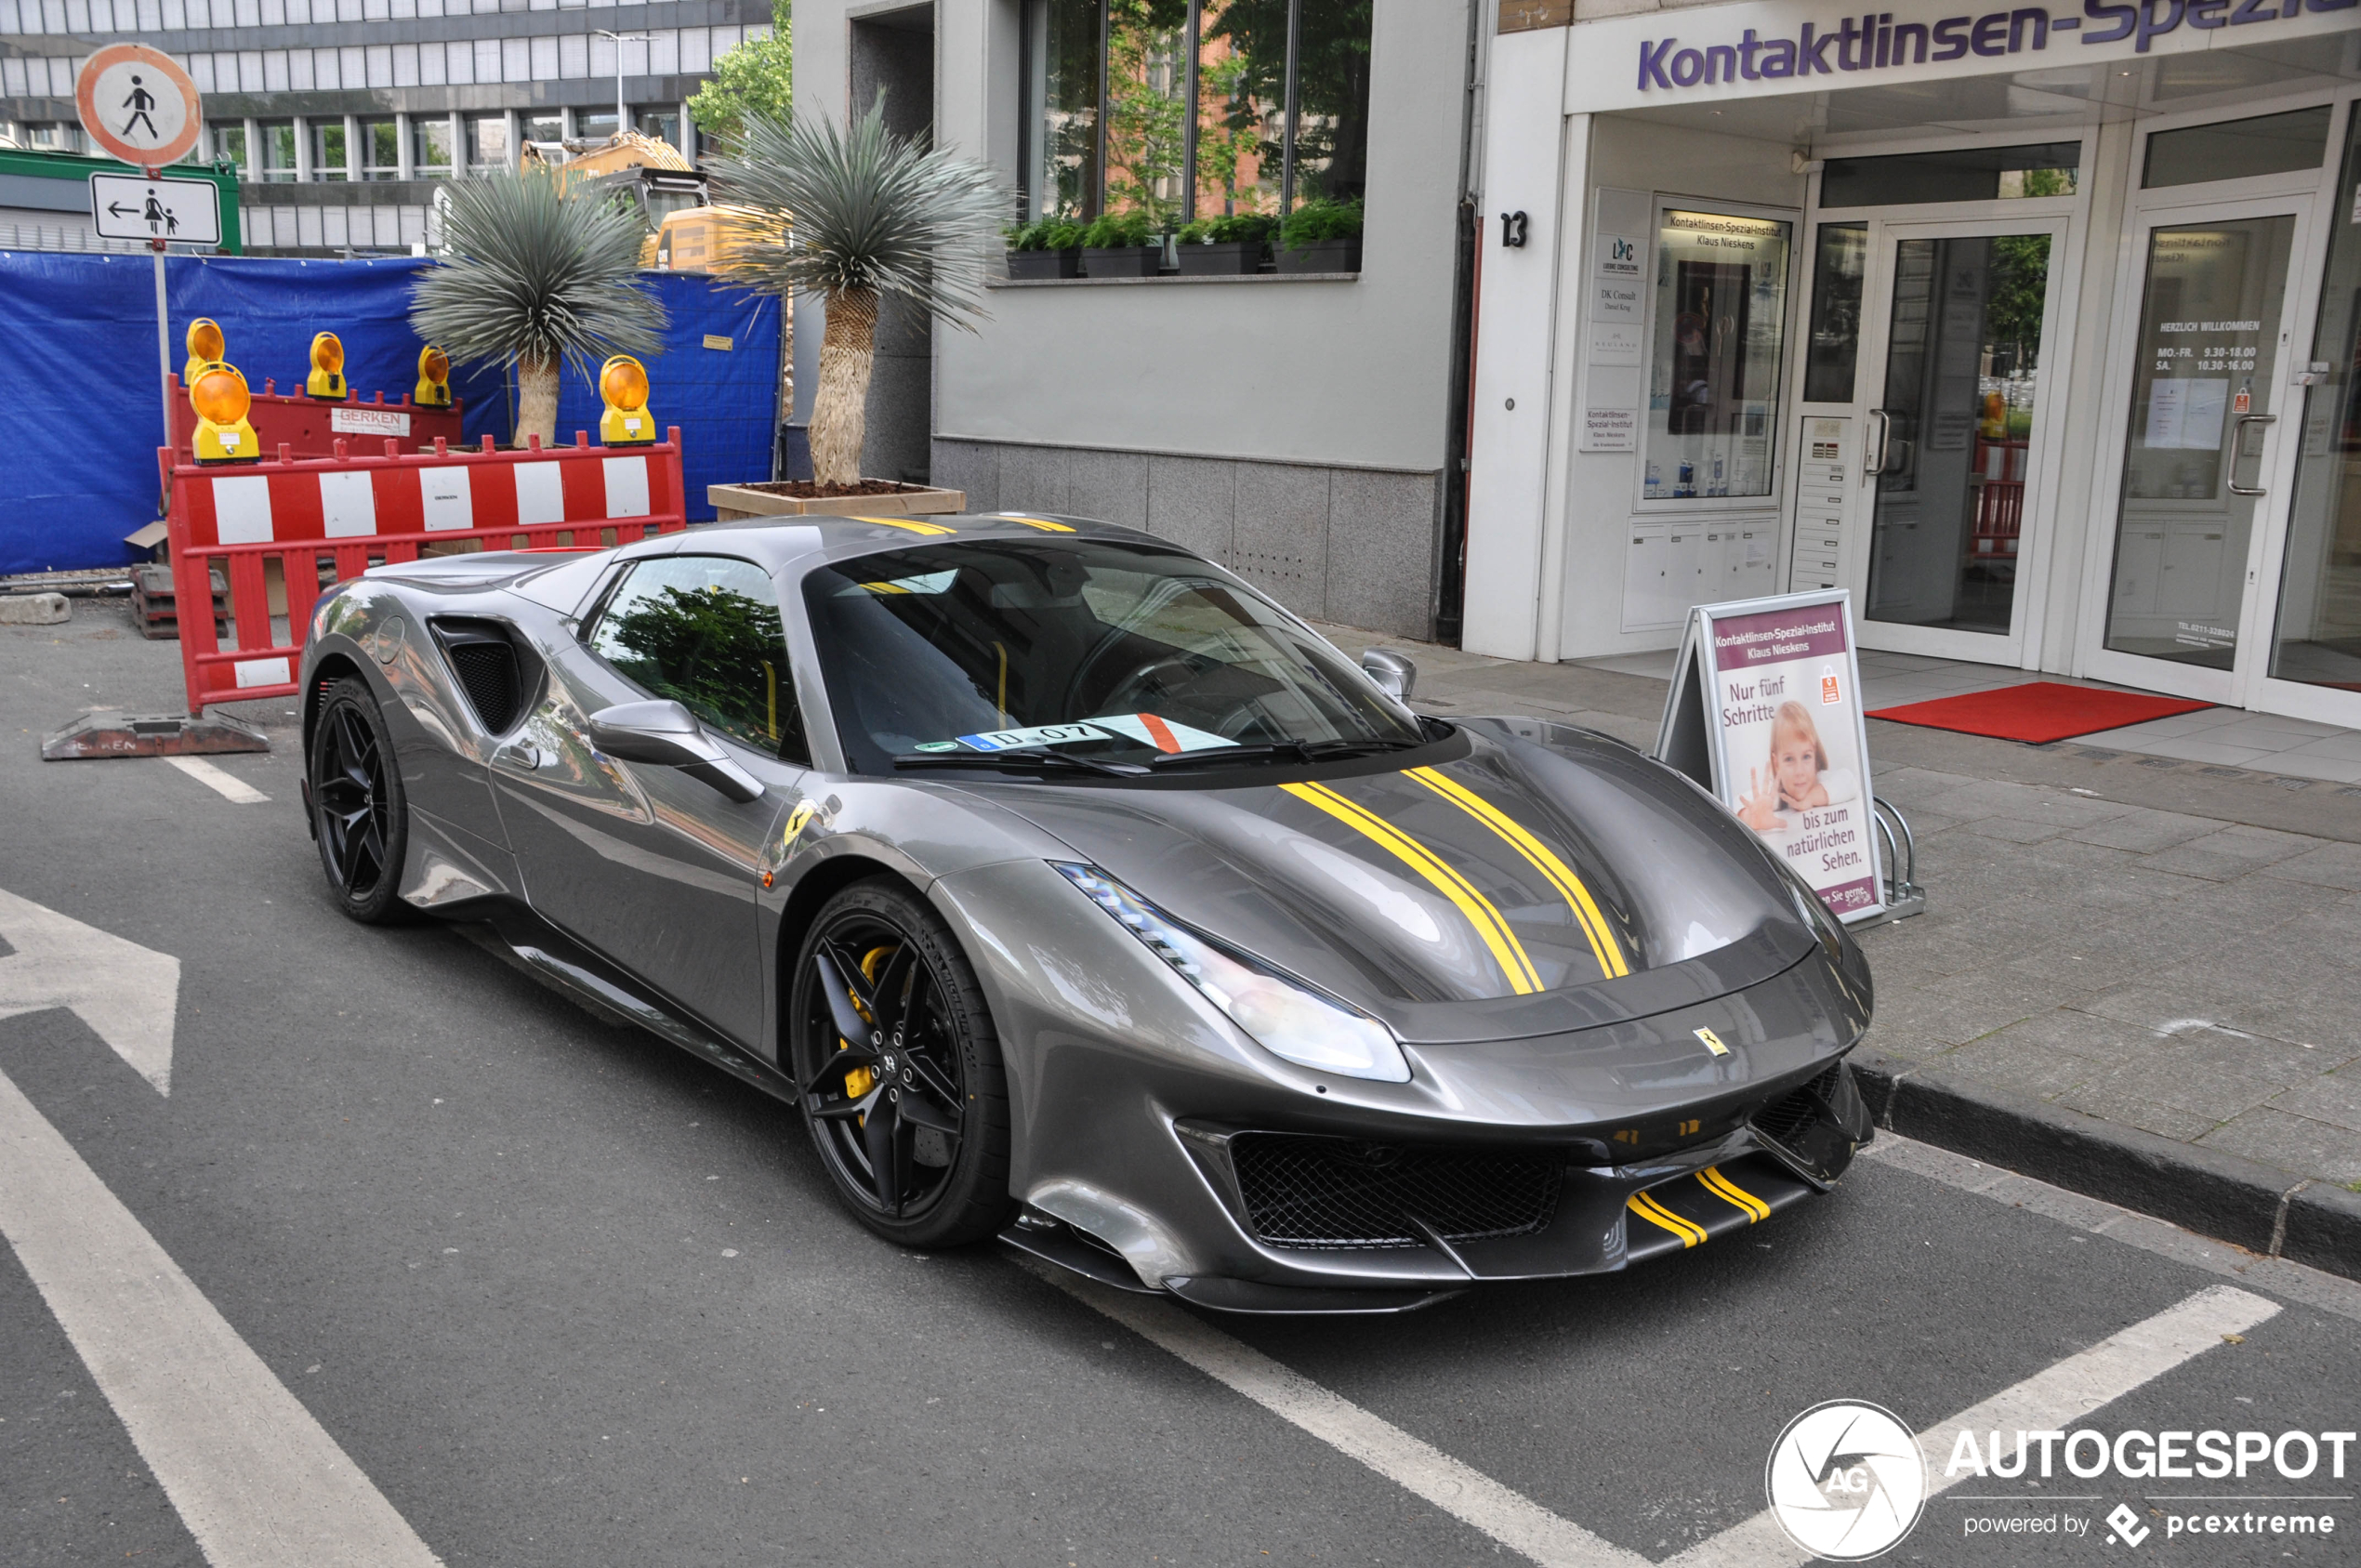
pixel 854 216
pixel 535 277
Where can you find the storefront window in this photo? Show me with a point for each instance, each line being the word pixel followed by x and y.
pixel 1183 111
pixel 2318 635
pixel 1836 312
pixel 1968 174
pixel 1720 303
pixel 2238 149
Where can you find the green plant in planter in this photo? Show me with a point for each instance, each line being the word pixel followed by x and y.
pixel 1319 220
pixel 1045 233
pixel 1118 230
pixel 1245 227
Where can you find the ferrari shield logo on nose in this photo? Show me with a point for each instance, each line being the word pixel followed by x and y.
pixel 1713 1042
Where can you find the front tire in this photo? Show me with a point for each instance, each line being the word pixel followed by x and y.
pixel 903 1091
pixel 359 813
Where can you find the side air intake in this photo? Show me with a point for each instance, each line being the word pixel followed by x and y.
pixel 492 671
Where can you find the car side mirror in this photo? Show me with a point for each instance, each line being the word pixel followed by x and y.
pixel 668 735
pixel 1389 672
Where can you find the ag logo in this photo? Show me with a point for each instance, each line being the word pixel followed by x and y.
pixel 1846 1481
pixel 2125 1526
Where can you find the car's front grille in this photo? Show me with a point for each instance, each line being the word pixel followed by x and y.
pixel 1303 1192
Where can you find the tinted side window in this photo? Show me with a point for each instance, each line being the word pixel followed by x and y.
pixel 704 631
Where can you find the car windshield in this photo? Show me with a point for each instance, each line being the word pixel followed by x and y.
pixel 1110 657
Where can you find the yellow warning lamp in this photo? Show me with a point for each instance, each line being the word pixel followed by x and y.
pixel 326 379
pixel 623 383
pixel 434 379
pixel 219 395
pixel 205 347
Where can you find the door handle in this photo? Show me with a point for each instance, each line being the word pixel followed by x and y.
pixel 520 755
pixel 1880 436
pixel 2238 451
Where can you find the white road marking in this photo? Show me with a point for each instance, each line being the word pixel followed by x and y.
pixel 2061 1397
pixel 2057 1400
pixel 1508 1517
pixel 128 994
pixel 227 787
pixel 258 1482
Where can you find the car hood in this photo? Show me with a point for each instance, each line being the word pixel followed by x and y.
pixel 1527 879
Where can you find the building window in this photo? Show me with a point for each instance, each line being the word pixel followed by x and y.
pixel 328 160
pixel 381 150
pixel 430 147
pixel 487 143
pixel 278 149
pixel 1186 111
pixel 660 120
pixel 544 127
pixel 1721 306
pixel 594 124
pixel 1973 174
pixel 56 137
pixel 230 141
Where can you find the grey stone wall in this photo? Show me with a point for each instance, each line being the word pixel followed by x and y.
pixel 1357 546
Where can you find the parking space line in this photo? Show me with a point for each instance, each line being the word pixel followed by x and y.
pixel 1508 1517
pixel 257 1480
pixel 2057 1398
pixel 229 786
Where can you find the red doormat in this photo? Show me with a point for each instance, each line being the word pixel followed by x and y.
pixel 2037 711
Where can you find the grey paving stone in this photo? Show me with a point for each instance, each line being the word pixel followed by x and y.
pixel 2330 865
pixel 2015 829
pixel 2334 1098
pixel 1917 1022
pixel 2015 1065
pixel 2146 831
pixel 2232 851
pixel 2296 1144
pixel 2093 1038
pixel 2112 1103
pixel 2211 1075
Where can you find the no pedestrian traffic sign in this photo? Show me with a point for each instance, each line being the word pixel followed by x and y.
pixel 139 105
pixel 178 211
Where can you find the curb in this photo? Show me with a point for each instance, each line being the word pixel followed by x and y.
pixel 2254 1205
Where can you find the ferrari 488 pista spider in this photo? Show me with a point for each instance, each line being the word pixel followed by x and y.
pixel 1079 894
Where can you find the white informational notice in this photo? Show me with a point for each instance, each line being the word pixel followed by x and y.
pixel 1765 710
pixel 1617 345
pixel 183 212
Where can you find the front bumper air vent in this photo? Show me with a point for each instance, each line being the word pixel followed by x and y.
pixel 1337 1193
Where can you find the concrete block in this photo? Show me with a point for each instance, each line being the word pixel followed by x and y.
pixel 1381 551
pixel 1191 502
pixel 1108 487
pixel 1280 539
pixel 34 610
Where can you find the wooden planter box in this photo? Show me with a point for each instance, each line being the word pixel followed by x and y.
pixel 1222 259
pixel 1323 256
pixel 733 501
pixel 1045 263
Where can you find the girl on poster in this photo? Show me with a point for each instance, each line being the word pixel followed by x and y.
pixel 1798 777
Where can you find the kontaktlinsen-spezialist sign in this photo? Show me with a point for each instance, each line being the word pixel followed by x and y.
pixel 1781 45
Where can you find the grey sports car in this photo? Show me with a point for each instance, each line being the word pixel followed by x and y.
pixel 1079 894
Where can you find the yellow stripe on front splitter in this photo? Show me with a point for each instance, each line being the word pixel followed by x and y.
pixel 1585 911
pixel 1657 1214
pixel 1489 923
pixel 1722 1187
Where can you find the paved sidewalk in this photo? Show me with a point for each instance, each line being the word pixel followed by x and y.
pixel 2165 945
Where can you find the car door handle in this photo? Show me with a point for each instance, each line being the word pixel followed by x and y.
pixel 520 755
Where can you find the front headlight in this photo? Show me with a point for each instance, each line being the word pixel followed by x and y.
pixel 1285 1019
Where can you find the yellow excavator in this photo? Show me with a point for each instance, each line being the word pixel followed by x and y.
pixel 686 233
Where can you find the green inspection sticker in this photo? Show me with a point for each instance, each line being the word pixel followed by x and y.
pixel 938 745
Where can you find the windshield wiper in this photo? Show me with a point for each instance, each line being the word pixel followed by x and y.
pixel 1284 751
pixel 1021 759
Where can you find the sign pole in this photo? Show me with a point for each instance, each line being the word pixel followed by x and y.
pixel 164 336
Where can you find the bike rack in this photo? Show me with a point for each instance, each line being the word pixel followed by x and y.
pixel 1903 897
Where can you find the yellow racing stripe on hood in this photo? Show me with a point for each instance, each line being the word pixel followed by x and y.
pixel 1560 876
pixel 909 525
pixel 1489 923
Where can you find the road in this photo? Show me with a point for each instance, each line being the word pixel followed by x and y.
pixel 554 1293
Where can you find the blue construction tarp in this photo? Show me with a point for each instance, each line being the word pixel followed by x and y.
pixel 81 331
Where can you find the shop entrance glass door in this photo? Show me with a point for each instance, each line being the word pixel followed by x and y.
pixel 2198 446
pixel 1955 437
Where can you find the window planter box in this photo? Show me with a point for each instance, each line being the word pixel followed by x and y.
pixel 1122 261
pixel 1045 263
pixel 1222 259
pixel 733 501
pixel 1323 256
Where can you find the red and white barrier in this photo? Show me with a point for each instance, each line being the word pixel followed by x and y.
pixel 311 426
pixel 360 511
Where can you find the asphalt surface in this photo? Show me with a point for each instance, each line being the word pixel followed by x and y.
pixel 568 1297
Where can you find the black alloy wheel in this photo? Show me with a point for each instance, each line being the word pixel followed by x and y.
pixel 902 1087
pixel 358 812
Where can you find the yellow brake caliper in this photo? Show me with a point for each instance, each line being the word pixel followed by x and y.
pixel 860 1080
